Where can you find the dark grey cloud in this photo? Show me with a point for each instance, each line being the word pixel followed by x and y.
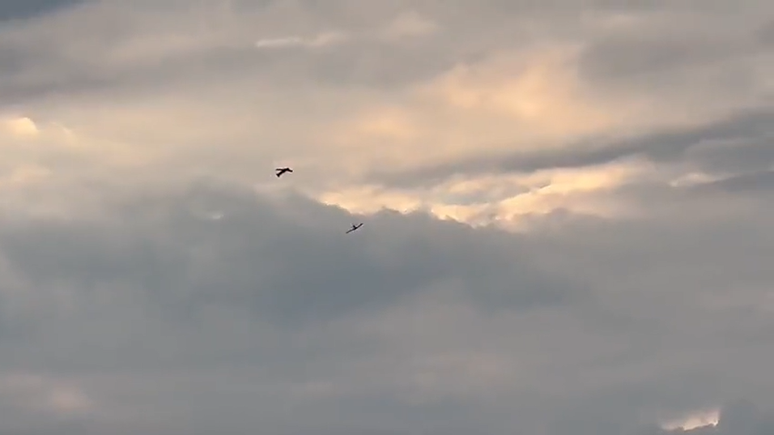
pixel 35 67
pixel 757 182
pixel 634 55
pixel 739 154
pixel 150 301
pixel 666 52
pixel 24 9
pixel 294 274
pixel 368 62
pixel 153 290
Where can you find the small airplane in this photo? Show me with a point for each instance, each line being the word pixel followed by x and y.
pixel 354 227
pixel 281 171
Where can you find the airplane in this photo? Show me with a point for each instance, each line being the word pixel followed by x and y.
pixel 354 227
pixel 281 171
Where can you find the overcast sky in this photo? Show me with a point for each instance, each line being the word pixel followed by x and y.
pixel 568 210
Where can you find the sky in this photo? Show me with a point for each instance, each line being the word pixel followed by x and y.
pixel 567 212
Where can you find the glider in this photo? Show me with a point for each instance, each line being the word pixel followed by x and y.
pixel 281 171
pixel 354 227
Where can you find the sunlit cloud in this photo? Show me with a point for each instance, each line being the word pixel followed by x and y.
pixel 321 40
pixel 503 198
pixel 694 420
pixel 40 393
pixel 21 127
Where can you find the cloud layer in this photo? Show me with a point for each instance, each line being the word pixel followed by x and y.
pixel 567 212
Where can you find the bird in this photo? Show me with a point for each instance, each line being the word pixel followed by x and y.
pixel 281 171
pixel 354 227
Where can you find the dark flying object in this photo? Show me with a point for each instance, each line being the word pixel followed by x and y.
pixel 354 227
pixel 281 171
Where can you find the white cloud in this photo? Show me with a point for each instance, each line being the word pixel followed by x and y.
pixel 321 40
pixel 21 127
pixel 694 420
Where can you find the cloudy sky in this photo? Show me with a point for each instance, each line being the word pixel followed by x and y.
pixel 568 211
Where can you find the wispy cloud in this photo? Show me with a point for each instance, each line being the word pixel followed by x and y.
pixel 321 40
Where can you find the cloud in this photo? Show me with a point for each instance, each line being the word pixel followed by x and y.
pixel 353 281
pixel 567 210
pixel 381 323
pixel 409 24
pixel 321 40
pixel 695 420
pixel 262 264
pixel 19 10
pixel 719 144
pixel 737 417
pixel 21 127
